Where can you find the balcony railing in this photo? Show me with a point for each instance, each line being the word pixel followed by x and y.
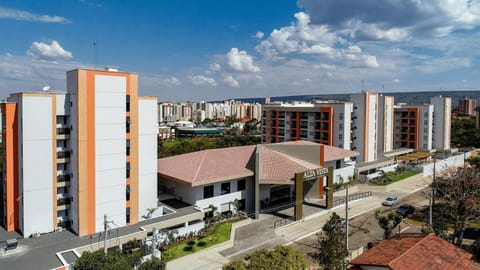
pixel 63 154
pixel 63 201
pixel 63 178
pixel 63 131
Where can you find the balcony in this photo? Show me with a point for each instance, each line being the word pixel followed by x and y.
pixel 63 203
pixel 63 133
pixel 64 223
pixel 63 178
pixel 63 156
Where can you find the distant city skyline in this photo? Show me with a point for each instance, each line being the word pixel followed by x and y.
pixel 214 50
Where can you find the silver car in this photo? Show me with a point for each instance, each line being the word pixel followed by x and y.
pixel 390 201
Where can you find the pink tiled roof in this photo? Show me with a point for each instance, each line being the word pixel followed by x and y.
pixel 280 167
pixel 209 166
pixel 406 252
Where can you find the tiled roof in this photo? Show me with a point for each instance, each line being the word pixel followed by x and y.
pixel 280 167
pixel 209 166
pixel 416 251
pixel 280 162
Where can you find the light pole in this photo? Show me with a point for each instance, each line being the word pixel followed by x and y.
pixel 346 216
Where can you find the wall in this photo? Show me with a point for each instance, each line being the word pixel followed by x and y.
pixel 442 164
pixel 147 178
pixel 36 159
pixel 110 150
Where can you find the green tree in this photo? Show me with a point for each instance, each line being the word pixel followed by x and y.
pixel 459 188
pixel 476 249
pixel 332 251
pixel 235 265
pixel 153 264
pixel 114 260
pixel 388 222
pixel 464 133
pixel 279 258
pixel 474 161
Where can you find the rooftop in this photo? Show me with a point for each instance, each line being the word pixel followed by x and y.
pixel 416 251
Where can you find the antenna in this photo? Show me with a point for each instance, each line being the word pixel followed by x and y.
pixel 95 53
pixel 363 84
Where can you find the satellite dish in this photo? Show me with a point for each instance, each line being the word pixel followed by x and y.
pixel 46 88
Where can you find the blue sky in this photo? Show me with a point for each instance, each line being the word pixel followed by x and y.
pixel 211 50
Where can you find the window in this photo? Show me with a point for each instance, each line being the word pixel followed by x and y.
pixel 208 191
pixel 128 103
pixel 128 170
pixel 128 124
pixel 241 185
pixel 128 193
pixel 338 164
pixel 127 216
pixel 340 116
pixel 128 147
pixel 225 188
pixel 241 206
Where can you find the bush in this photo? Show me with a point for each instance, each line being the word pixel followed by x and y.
pixel 191 242
pixel 188 248
pixel 201 243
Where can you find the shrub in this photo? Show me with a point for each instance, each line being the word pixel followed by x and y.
pixel 188 248
pixel 191 242
pixel 201 243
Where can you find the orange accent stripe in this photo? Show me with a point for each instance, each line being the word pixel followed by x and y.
pixel 91 152
pixel 10 140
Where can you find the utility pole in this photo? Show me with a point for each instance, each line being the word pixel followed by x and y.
pixel 105 228
pixel 346 216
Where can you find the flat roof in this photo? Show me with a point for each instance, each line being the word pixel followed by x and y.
pixel 415 156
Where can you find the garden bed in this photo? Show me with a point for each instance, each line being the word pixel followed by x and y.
pixel 392 177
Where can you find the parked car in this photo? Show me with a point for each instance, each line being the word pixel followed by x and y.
pixel 405 210
pixel 390 201
pixel 471 233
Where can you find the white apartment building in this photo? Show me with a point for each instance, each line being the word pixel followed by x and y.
pixel 74 157
pixel 414 126
pixel 442 115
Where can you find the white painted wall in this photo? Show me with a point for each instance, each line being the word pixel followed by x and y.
pixel 372 128
pixel 36 164
pixel 147 153
pixel 110 150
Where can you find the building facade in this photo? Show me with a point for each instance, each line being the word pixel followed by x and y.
pixel 98 155
pixel 414 126
pixel 466 106
pixel 442 116
pixel 322 122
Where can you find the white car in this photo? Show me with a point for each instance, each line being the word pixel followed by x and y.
pixel 390 201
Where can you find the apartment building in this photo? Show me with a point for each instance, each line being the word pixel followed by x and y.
pixel 466 106
pixel 414 126
pixel 442 116
pixel 70 158
pixel 326 122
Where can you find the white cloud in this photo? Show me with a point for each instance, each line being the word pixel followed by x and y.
pixel 172 81
pixel 437 65
pixel 21 15
pixel 240 61
pixel 200 80
pixel 215 67
pixel 48 52
pixel 230 81
pixel 259 35
pixel 396 80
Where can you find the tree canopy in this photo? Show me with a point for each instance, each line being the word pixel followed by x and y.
pixel 459 189
pixel 388 222
pixel 464 133
pixel 332 251
pixel 278 258
pixel 115 260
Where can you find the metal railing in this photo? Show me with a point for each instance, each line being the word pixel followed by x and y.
pixel 352 197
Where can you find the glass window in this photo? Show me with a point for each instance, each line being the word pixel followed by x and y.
pixel 128 103
pixel 225 189
pixel 208 191
pixel 128 169
pixel 241 185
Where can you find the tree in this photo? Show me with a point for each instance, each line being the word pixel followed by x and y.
pixel 235 265
pixel 115 259
pixel 279 258
pixel 332 250
pixel 388 222
pixel 153 264
pixel 476 249
pixel 474 161
pixel 459 188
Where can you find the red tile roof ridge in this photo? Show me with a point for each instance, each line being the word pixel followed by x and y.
pixel 299 161
pixel 199 166
pixel 410 235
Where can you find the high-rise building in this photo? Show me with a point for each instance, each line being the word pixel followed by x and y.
pixel 466 106
pixel 71 158
pixel 442 115
pixel 323 122
pixel 385 124
pixel 365 124
pixel 414 126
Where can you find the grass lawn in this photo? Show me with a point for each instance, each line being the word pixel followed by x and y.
pixel 220 233
pixel 392 177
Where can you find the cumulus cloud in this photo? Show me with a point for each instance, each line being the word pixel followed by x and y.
pixel 215 67
pixel 230 81
pixel 48 52
pixel 200 80
pixel 21 15
pixel 172 81
pixel 240 61
pixel 259 35
pixel 393 20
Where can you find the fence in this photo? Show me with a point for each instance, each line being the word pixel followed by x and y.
pixel 352 197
